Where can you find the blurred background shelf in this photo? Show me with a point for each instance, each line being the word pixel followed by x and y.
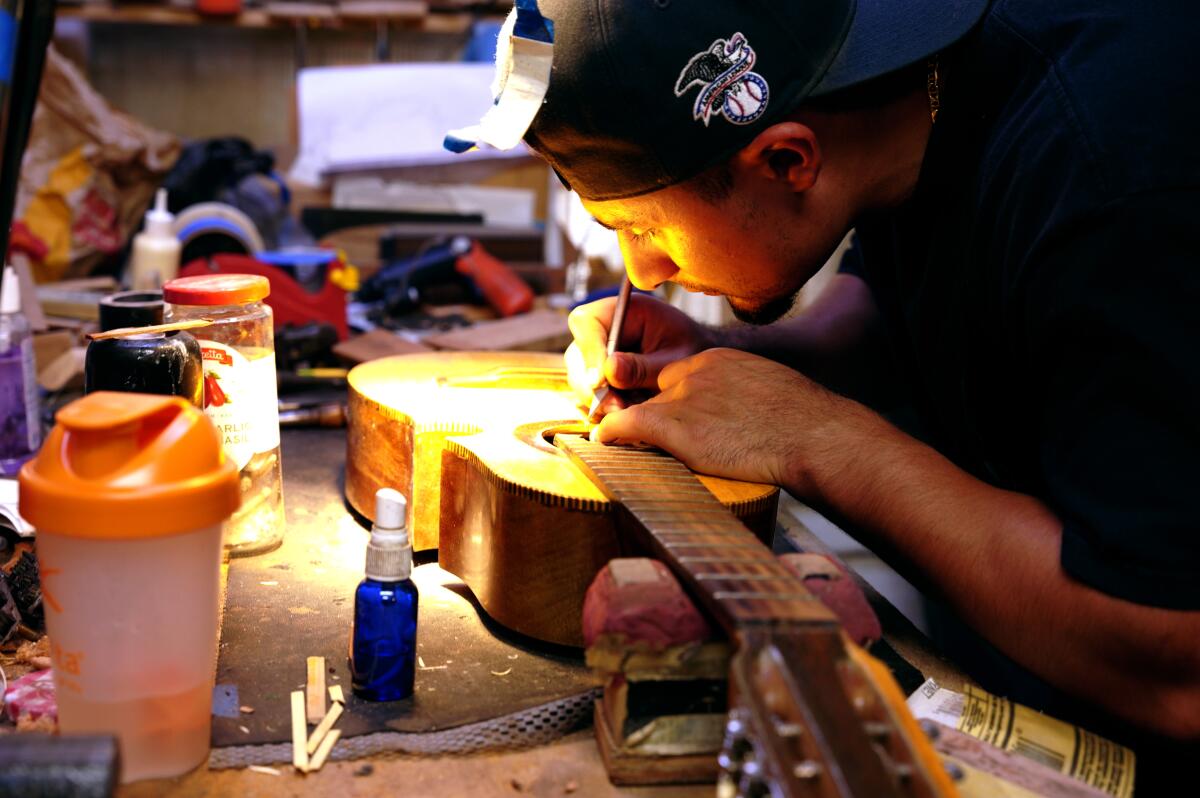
pixel 217 76
pixel 434 16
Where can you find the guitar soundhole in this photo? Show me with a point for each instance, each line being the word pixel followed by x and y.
pixel 540 434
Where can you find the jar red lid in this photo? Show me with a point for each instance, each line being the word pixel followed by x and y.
pixel 216 289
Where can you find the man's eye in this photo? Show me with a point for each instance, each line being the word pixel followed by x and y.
pixel 640 236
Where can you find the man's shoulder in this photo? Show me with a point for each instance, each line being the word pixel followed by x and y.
pixel 1116 78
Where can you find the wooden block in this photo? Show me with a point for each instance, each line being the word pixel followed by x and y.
pixel 374 345
pixel 829 581
pixel 315 704
pixel 299 733
pixel 65 371
pixel 300 11
pixel 382 9
pixel 638 621
pixel 49 346
pixel 629 769
pixel 323 727
pixel 75 299
pixel 326 746
pixel 536 331
pixel 640 600
pixel 336 694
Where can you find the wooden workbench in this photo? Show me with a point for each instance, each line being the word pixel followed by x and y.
pixel 569 766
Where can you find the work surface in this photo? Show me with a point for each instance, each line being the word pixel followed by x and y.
pixel 334 543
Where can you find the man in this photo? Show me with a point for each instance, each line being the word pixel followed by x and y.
pixel 1024 181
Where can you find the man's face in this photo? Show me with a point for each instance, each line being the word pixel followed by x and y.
pixel 756 247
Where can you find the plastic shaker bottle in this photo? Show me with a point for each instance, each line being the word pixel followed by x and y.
pixel 128 497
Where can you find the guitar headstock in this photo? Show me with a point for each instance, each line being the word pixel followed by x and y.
pixel 807 719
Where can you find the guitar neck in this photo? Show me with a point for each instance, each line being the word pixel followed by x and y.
pixel 736 577
pixel 804 720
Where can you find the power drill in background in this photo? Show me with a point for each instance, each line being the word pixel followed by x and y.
pixel 457 266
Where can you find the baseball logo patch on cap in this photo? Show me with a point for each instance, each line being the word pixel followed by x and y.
pixel 727 86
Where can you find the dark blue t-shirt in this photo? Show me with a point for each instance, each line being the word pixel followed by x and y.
pixel 1042 286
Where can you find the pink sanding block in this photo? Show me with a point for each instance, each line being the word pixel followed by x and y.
pixel 640 601
pixel 829 581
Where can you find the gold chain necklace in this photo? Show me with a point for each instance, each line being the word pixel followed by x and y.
pixel 933 87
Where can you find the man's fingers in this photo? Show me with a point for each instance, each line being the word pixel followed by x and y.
pixel 578 374
pixel 589 327
pixel 627 370
pixel 647 423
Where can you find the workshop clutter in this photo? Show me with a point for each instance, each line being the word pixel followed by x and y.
pixel 129 497
pixel 240 393
pixel 88 174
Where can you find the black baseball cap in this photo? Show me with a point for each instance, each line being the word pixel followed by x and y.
pixel 644 94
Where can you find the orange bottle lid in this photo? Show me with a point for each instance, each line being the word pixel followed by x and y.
pixel 127 466
pixel 216 289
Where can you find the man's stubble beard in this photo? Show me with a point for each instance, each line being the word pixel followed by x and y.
pixel 768 312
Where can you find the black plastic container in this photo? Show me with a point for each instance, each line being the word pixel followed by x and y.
pixel 162 363
pixel 131 309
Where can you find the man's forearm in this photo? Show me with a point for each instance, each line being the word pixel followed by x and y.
pixel 994 555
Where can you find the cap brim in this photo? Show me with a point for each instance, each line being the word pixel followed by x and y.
pixel 883 39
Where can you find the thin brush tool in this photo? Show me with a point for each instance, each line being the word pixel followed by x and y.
pixel 614 335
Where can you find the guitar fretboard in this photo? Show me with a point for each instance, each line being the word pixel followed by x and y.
pixel 737 577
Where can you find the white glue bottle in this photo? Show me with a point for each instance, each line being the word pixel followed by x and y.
pixel 156 249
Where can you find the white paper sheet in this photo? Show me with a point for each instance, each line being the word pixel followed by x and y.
pixel 382 116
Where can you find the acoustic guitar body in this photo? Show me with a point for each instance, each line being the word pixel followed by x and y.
pixel 468 438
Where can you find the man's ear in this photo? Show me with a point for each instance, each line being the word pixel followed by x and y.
pixel 788 151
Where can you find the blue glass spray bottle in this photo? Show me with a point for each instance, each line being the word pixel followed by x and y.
pixel 383 640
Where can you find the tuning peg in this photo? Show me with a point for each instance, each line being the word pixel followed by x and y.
pixel 726 786
pixel 788 729
pixel 807 770
pixel 752 783
pixel 878 730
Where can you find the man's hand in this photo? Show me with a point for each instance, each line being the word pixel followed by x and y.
pixel 655 335
pixel 735 415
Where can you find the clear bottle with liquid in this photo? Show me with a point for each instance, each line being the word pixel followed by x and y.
pixel 240 394
pixel 20 411
pixel 383 639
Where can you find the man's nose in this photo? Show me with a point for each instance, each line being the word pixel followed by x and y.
pixel 647 265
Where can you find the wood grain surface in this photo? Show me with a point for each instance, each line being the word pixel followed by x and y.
pixel 467 437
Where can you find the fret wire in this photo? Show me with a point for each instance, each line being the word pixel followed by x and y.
pixel 668 473
pixel 722 595
pixel 691 545
pixel 715 577
pixel 701 534
pixel 665 493
pixel 713 511
pixel 687 559
pixel 625 476
pixel 715 531
pixel 632 469
pixel 665 468
pixel 697 499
